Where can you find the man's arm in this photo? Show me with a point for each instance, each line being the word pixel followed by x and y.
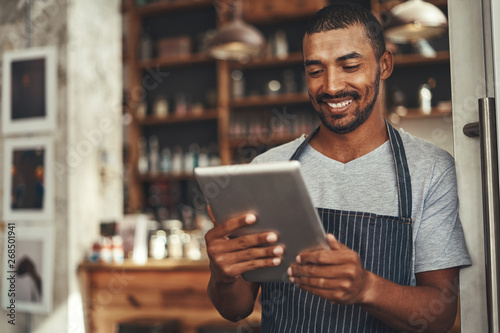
pixel 234 297
pixel 337 275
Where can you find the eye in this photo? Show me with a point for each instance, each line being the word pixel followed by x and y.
pixel 350 68
pixel 315 73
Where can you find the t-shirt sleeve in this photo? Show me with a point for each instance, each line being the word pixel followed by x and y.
pixel 440 241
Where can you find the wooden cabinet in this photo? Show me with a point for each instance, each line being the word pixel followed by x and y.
pixel 168 289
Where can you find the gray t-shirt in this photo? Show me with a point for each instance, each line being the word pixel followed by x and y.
pixel 368 184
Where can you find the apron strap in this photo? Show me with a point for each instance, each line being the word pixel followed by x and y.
pixel 298 151
pixel 402 172
pixel 403 178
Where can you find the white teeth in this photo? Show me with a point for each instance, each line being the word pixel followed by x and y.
pixel 339 105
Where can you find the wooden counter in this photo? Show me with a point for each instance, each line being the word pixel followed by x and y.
pixel 166 289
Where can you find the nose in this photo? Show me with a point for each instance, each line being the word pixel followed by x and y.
pixel 333 82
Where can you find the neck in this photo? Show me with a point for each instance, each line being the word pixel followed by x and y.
pixel 350 146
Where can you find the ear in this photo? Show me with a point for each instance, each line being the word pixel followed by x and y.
pixel 386 65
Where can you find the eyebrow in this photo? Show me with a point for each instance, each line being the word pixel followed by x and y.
pixel 352 55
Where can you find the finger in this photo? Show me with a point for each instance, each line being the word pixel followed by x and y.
pixel 318 283
pixel 239 268
pixel 247 241
pixel 253 254
pixel 333 242
pixel 326 257
pixel 211 215
pixel 321 271
pixel 230 226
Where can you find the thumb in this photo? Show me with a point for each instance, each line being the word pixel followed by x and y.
pixel 333 242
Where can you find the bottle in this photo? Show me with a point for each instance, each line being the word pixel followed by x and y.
pixel 142 164
pixel 289 81
pixel 166 160
pixel 96 251
pixel 191 158
pixel 146 43
pixel 177 160
pixel 180 104
pixel 142 110
pixel 157 245
pixel 425 98
pixel 154 156
pixel 105 255
pixel 281 45
pixel 160 107
pixel 203 160
pixel 117 249
pixel 238 84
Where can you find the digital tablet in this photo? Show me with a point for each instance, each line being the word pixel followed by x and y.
pixel 276 193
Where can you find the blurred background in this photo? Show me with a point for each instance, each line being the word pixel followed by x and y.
pixel 114 103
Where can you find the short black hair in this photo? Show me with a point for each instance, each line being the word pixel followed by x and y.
pixel 342 15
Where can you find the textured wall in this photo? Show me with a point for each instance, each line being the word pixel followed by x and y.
pixel 94 109
pixel 88 190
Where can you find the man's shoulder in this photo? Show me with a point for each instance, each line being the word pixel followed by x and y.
pixel 280 153
pixel 423 153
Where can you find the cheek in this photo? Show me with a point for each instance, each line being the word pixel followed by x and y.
pixel 313 85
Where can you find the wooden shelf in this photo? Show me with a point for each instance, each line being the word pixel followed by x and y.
pixel 279 18
pixel 401 60
pixel 187 60
pixel 416 113
pixel 162 7
pixel 166 264
pixel 271 140
pixel 209 114
pixel 166 176
pixel 294 58
pixel 389 5
pixel 296 98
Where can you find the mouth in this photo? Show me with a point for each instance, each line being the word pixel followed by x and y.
pixel 339 105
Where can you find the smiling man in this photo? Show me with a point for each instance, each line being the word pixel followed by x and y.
pixel 388 202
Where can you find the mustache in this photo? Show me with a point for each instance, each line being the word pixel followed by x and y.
pixel 340 94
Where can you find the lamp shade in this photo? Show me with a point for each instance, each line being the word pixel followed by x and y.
pixel 413 20
pixel 236 40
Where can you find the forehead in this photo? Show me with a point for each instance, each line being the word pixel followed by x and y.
pixel 337 43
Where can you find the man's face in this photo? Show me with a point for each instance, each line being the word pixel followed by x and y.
pixel 343 77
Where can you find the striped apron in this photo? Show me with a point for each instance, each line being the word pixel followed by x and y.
pixel 384 244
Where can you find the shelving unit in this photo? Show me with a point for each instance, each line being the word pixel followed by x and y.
pixel 413 69
pixel 219 117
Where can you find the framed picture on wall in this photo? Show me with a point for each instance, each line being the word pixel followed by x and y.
pixel 28 179
pixel 29 90
pixel 29 277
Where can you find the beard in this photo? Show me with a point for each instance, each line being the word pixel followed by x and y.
pixel 334 123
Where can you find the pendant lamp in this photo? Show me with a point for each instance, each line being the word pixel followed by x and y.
pixel 236 40
pixel 415 21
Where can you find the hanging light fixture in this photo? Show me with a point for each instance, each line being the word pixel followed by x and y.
pixel 236 40
pixel 416 21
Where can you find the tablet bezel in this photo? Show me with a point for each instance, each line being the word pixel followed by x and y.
pixel 272 191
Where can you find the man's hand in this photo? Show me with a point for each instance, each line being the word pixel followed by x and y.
pixel 335 274
pixel 230 257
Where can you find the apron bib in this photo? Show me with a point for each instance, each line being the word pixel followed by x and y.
pixel 384 244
